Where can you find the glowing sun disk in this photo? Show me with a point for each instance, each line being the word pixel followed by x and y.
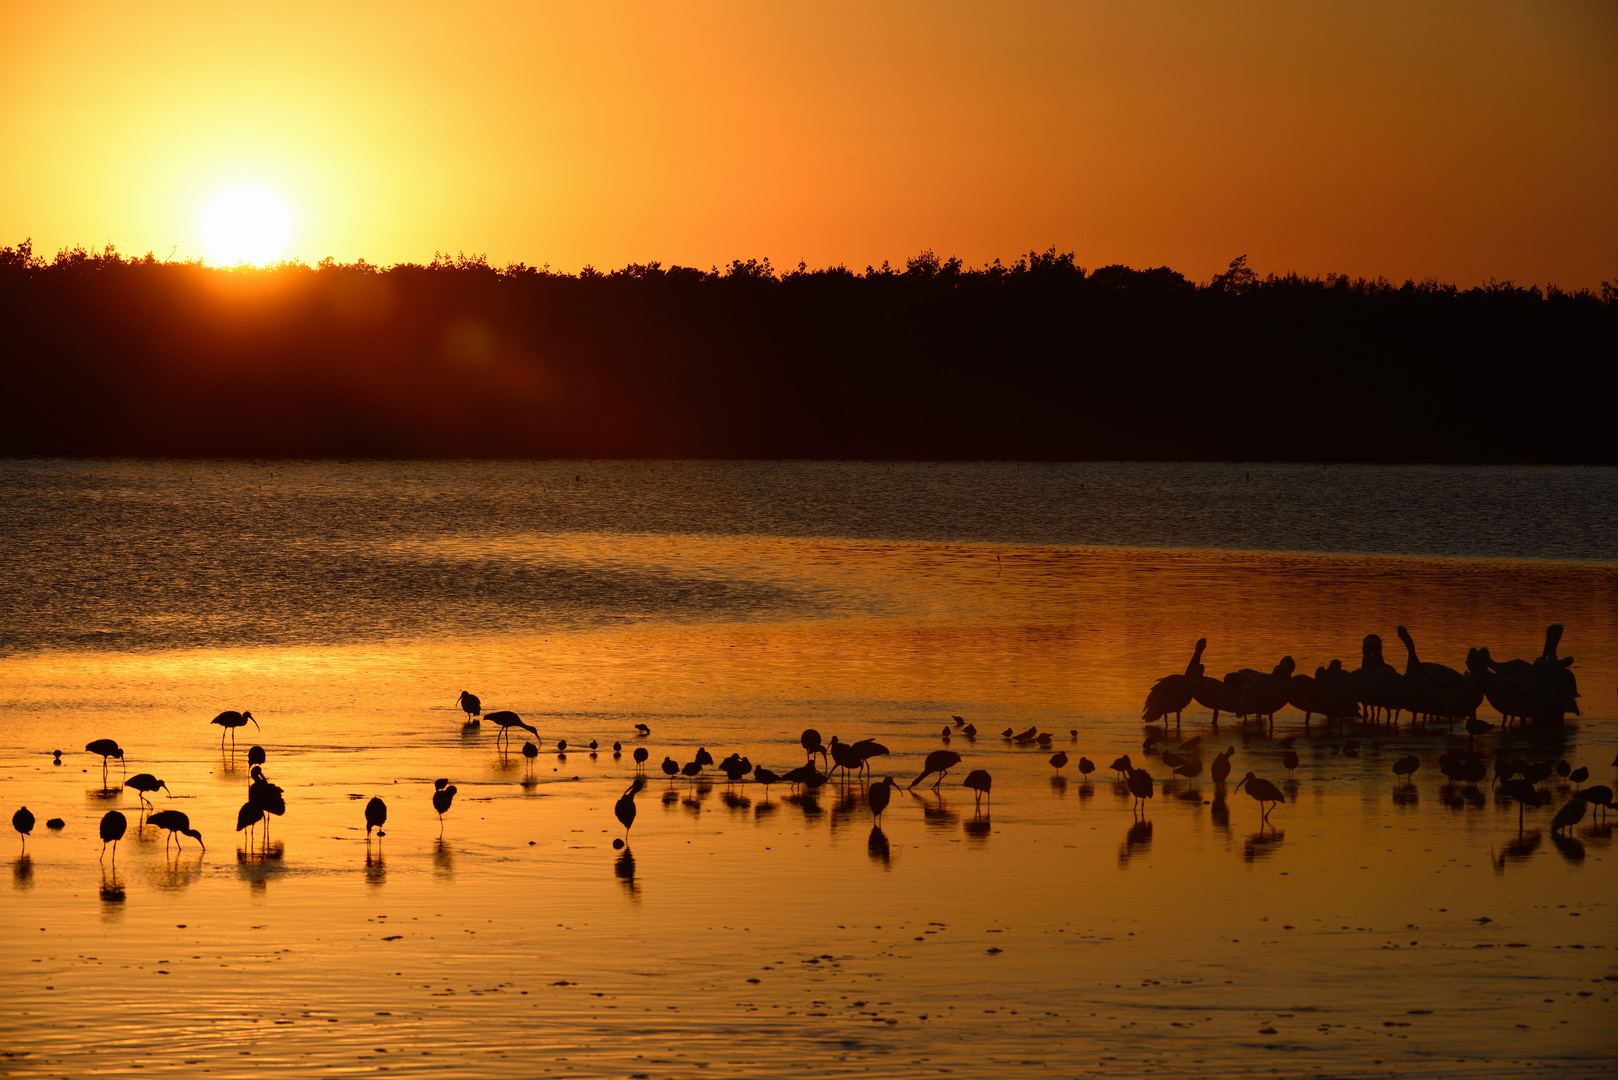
pixel 245 225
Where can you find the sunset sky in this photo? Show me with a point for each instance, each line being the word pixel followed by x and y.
pixel 1457 140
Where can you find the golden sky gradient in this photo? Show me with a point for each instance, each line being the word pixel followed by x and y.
pixel 1462 140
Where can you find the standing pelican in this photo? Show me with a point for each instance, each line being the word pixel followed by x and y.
pixel 471 706
pixel 175 823
pixel 107 748
pixel 376 816
pixel 23 822
pixel 624 809
pixel 508 720
pixel 1172 693
pixel 1375 682
pixel 229 721
pixel 1262 792
pixel 113 827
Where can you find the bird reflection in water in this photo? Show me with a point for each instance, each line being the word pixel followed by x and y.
pixel 1407 795
pixel 1136 840
pixel 256 867
pixel 1219 811
pixel 670 797
pixel 623 868
pixel 1059 784
pixel 735 801
pixel 1459 797
pixel 936 814
pixel 1519 850
pixel 376 867
pixel 179 874
pixel 112 889
pixel 808 802
pixel 1569 847
pixel 877 846
pixel 22 873
pixel 1262 844
pixel 978 828
pixel 763 809
pixel 443 859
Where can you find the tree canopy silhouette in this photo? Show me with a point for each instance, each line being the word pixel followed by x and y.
pixel 1036 359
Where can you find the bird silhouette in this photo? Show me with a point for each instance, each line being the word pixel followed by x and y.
pixel 940 762
pixel 1139 783
pixel 1262 792
pixel 624 809
pixel 671 768
pixel 255 755
pixel 376 816
pixel 702 757
pixel 766 777
pixel 144 784
pixel 1438 690
pixel 113 827
pixel 1523 790
pixel 1289 761
pixel 250 814
pixel 1220 769
pixel 23 822
pixel 1406 767
pixel 508 720
pixel 1122 765
pixel 868 749
pixel 979 781
pixel 1579 775
pixel 175 823
pixel 844 757
pixel 1376 683
pixel 267 797
pixel 1597 795
pixel 642 730
pixel 107 748
pixel 810 741
pixel 443 795
pixel 640 755
pixel 1086 767
pixel 1569 815
pixel 229 721
pixel 530 751
pixel 471 706
pixel 1172 693
pixel 1189 767
pixel 1059 759
pixel 879 795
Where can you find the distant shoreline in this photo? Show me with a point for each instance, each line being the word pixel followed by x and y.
pixel 1039 360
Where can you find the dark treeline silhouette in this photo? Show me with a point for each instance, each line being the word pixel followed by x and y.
pixel 1040 359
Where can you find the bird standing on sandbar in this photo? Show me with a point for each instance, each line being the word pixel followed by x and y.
pixel 113 827
pixel 107 748
pixel 1139 783
pixel 624 809
pixel 1059 759
pixel 23 822
pixel 640 755
pixel 1262 792
pixel 1086 767
pixel 1220 769
pixel 376 816
pixel 175 823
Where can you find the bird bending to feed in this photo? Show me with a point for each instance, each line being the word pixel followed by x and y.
pixel 1569 816
pixel 979 781
pixel 175 823
pixel 1263 792
pixel 107 748
pixel 1122 765
pixel 144 784
pixel 624 809
pixel 879 795
pixel 443 795
pixel 940 762
pixel 508 720
pixel 1406 766
pixel 230 720
pixel 376 816
pixel 642 729
pixel 471 706
pixel 23 822
pixel 113 827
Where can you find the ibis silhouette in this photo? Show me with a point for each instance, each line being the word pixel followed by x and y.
pixel 1262 792
pixel 879 795
pixel 175 824
pixel 144 784
pixel 471 706
pixel 508 720
pixel 940 762
pixel 376 816
pixel 113 827
pixel 107 748
pixel 23 822
pixel 230 720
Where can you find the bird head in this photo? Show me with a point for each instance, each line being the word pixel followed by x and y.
pixel 439 785
pixel 249 716
pixel 1244 780
pixel 118 753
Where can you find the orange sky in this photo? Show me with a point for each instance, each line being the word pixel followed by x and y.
pixel 1458 140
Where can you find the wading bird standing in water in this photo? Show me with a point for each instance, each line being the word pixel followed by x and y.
pixel 508 720
pixel 940 762
pixel 113 827
pixel 879 796
pixel 23 822
pixel 443 795
pixel 1262 792
pixel 230 720
pixel 175 823
pixel 471 706
pixel 107 748
pixel 624 809
pixel 144 784
pixel 979 781
pixel 376 816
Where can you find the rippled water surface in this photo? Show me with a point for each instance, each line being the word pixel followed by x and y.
pixel 1370 929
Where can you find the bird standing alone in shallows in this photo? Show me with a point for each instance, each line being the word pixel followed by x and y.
pixel 879 795
pixel 175 822
pixel 1220 769
pixel 144 784
pixel 1139 782
pixel 940 762
pixel 376 816
pixel 230 720
pixel 107 748
pixel 530 751
pixel 624 809
pixel 1406 767
pixel 471 706
pixel 979 781
pixel 23 822
pixel 1059 759
pixel 1263 792
pixel 640 755
pixel 508 720
pixel 443 796
pixel 113 827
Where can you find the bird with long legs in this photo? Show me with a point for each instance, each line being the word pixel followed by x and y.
pixel 267 797
pixel 980 782
pixel 940 762
pixel 176 824
pixel 1139 783
pixel 230 720
pixel 145 784
pixel 443 796
pixel 624 810
pixel 112 829
pixel 376 816
pixel 23 822
pixel 1406 767
pixel 471 706
pixel 810 741
pixel 879 795
pixel 1526 795
pixel 1173 693
pixel 1569 815
pixel 107 748
pixel 1262 791
pixel 640 755
pixel 248 817
pixel 508 720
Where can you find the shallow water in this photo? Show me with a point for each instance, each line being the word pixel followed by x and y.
pixel 1054 933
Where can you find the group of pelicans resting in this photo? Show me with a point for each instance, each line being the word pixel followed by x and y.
pixel 1543 690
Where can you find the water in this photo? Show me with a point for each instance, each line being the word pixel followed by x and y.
pixel 732 605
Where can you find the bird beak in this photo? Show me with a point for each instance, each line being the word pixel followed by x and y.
pixel 1239 784
pixel 255 723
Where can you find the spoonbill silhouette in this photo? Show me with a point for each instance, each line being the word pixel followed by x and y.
pixel 508 720
pixel 940 762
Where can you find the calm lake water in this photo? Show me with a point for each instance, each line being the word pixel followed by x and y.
pixel 1374 930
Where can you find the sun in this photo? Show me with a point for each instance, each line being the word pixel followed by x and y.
pixel 245 225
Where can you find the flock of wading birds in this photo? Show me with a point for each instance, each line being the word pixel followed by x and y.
pixel 1542 691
